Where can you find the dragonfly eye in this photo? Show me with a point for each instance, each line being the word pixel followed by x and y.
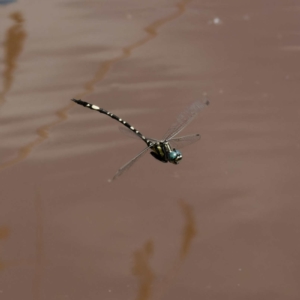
pixel 175 156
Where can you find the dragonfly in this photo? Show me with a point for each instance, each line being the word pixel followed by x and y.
pixel 166 149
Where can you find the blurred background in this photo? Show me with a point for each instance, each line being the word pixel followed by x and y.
pixel 223 224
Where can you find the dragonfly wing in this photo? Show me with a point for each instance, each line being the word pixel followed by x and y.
pixel 131 134
pixel 129 164
pixel 128 132
pixel 183 141
pixel 186 117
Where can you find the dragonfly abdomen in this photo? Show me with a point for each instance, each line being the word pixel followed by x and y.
pixel 113 116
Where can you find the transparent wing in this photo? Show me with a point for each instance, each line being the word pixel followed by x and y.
pixel 128 132
pixel 129 164
pixel 131 134
pixel 186 117
pixel 183 141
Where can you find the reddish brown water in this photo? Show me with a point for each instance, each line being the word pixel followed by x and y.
pixel 224 224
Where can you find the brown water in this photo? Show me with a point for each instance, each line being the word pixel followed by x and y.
pixel 224 224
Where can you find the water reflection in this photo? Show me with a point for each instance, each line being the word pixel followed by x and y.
pixel 189 230
pixel 142 269
pixel 13 46
pixel 4 234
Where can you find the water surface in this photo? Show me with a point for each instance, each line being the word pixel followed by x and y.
pixel 222 224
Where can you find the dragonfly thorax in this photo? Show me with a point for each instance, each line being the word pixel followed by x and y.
pixel 164 153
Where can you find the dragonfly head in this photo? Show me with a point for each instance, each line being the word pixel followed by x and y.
pixel 174 156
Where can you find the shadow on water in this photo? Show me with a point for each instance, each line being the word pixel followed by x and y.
pixel 13 46
pixel 43 131
pixel 142 268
